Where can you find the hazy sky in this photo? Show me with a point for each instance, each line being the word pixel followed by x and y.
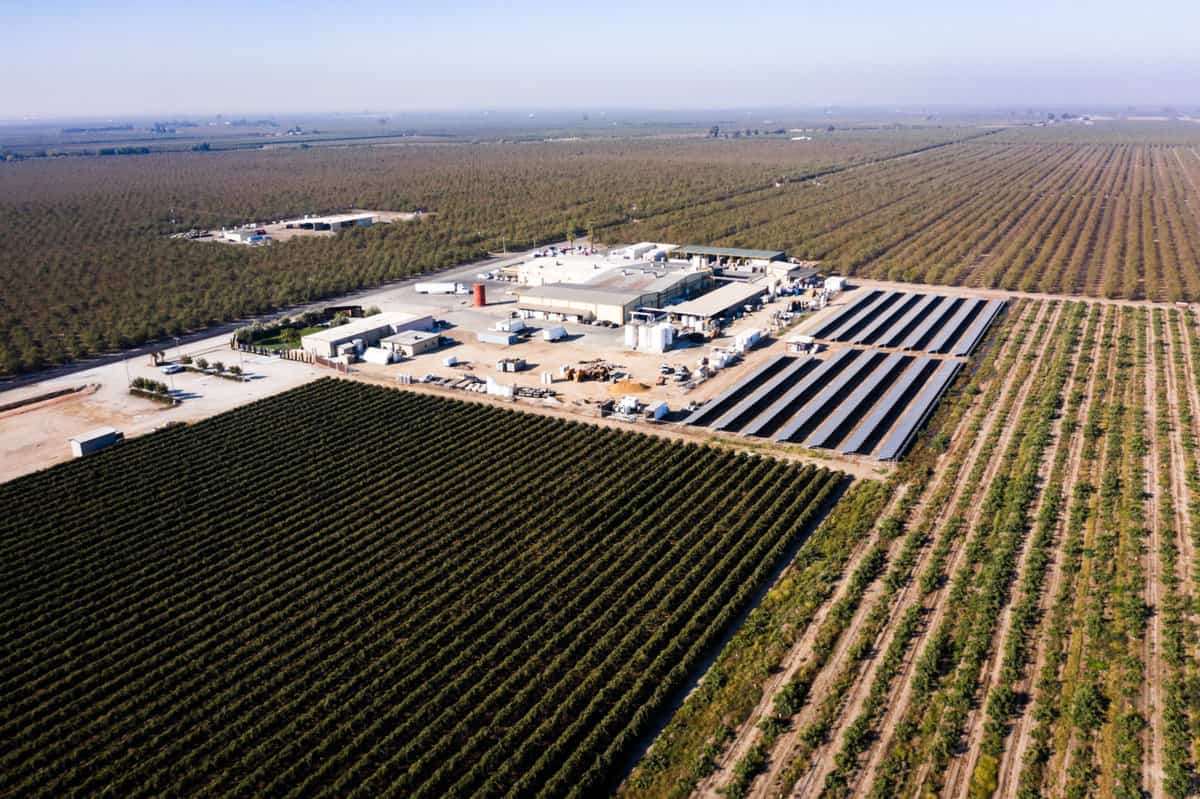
pixel 99 57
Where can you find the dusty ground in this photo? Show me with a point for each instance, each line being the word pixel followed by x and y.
pixel 36 436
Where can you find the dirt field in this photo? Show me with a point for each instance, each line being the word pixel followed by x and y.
pixel 35 436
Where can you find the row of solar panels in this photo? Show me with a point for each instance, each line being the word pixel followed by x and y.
pixel 908 321
pixel 858 401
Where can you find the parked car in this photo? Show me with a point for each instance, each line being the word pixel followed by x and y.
pixel 170 369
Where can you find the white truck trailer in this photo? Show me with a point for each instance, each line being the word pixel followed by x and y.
pixel 440 288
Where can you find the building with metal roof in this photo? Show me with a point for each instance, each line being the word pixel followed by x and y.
pixel 613 296
pixel 699 313
pixel 331 222
pixel 724 254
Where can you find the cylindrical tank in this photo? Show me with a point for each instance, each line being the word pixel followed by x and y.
pixel 479 295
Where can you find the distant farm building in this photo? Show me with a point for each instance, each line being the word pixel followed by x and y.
pixel 246 236
pixel 334 222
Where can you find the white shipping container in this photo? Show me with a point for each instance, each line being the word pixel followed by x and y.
pixel 450 360
pixel 555 333
pixel 631 337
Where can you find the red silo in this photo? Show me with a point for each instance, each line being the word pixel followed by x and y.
pixel 479 294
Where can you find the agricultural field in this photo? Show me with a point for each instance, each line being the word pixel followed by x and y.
pixel 349 590
pixel 1019 621
pixel 88 266
pixel 1020 209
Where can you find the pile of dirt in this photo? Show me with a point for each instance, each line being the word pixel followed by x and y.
pixel 627 386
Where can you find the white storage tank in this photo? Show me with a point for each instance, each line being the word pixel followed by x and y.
pixel 498 390
pixel 643 338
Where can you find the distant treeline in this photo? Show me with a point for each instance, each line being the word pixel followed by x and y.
pixel 106 129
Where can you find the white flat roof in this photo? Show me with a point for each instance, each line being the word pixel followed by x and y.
pixel 99 432
pixel 575 292
pixel 357 326
pixel 410 337
pixel 331 219
pixel 718 300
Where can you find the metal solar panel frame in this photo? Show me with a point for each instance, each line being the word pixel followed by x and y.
pixel 926 329
pixel 900 308
pixel 904 327
pixel 801 392
pixel 970 340
pixel 842 315
pixel 852 325
pixel 834 429
pixel 956 325
pixel 736 417
pixel 828 398
pixel 916 373
pixel 717 406
pixel 901 436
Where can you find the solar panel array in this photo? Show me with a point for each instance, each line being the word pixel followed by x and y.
pixel 913 321
pixel 857 401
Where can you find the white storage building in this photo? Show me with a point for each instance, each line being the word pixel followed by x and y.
pixel 411 343
pixel 370 329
